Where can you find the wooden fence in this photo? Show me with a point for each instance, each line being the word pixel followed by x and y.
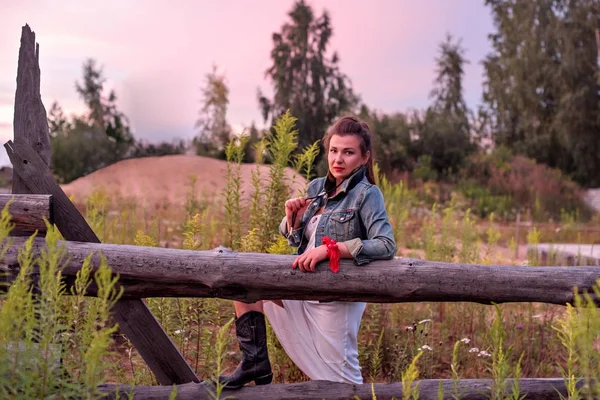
pixel 151 272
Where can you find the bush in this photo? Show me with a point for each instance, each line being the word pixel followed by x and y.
pixel 82 150
pixel 423 170
pixel 523 184
pixel 483 202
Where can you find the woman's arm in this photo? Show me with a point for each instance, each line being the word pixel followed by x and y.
pixel 380 243
pixel 344 252
pixel 307 262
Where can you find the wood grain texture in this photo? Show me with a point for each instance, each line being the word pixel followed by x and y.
pixel 27 212
pixel 469 389
pixel 133 316
pixel 151 271
pixel 30 123
pixel 31 168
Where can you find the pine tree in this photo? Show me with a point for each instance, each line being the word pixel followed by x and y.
pixel 306 79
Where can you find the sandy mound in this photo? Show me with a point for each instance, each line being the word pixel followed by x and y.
pixel 153 181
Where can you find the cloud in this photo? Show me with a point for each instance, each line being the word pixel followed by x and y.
pixel 156 55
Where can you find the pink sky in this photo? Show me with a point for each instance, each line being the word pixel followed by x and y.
pixel 155 55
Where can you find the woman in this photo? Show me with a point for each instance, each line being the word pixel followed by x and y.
pixel 346 207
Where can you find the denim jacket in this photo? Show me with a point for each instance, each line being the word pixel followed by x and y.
pixel 356 215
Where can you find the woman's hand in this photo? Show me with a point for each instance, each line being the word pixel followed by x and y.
pixel 298 206
pixel 306 262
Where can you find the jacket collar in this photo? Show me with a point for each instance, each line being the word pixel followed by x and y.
pixel 348 183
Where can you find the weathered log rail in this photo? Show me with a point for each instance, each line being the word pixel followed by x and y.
pixel 27 212
pixel 159 272
pixel 468 389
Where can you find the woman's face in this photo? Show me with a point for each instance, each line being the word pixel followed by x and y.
pixel 344 156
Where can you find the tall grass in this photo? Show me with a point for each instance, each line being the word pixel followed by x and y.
pixel 54 341
pixel 232 193
pixel 271 192
pixel 392 335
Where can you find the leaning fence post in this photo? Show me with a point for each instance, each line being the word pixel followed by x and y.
pixel 30 154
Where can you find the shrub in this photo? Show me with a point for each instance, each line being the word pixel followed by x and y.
pixel 524 184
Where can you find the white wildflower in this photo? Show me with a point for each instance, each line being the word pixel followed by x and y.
pixel 178 331
pixel 483 353
pixel 465 340
pixel 424 347
pixel 474 350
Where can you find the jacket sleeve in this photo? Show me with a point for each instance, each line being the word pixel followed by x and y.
pixel 379 243
pixel 293 237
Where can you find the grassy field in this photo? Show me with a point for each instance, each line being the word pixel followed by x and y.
pixel 397 342
pixel 392 334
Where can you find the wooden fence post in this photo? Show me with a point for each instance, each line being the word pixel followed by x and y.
pixel 30 121
pixel 30 155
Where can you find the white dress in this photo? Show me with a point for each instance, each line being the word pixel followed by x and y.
pixel 320 338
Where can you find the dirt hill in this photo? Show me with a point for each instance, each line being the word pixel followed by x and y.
pixel 156 180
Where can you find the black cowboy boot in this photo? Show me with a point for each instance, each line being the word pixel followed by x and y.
pixel 251 333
